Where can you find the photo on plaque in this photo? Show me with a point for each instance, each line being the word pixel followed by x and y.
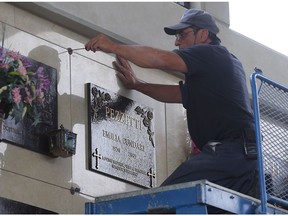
pixel 28 101
pixel 121 137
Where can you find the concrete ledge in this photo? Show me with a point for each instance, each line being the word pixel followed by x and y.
pixel 67 20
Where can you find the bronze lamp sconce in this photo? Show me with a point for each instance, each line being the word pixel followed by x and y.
pixel 62 142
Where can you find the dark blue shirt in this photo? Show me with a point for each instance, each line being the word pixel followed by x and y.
pixel 214 93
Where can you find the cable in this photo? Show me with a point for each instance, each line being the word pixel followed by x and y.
pixel 45 182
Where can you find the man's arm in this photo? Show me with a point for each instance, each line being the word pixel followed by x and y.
pixel 143 56
pixel 162 93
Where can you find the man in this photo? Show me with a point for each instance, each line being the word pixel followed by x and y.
pixel 220 119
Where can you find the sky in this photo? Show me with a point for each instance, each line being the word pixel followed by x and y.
pixel 264 21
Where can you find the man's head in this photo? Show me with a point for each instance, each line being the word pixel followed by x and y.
pixel 194 19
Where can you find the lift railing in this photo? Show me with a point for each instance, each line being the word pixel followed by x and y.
pixel 270 106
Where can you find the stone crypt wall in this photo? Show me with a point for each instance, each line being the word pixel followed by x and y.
pixel 39 180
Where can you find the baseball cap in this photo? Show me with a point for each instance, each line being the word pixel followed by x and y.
pixel 194 17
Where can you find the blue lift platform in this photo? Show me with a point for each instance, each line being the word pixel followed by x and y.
pixel 185 198
pixel 270 106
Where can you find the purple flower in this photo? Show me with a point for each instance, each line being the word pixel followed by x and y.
pixel 43 80
pixel 25 61
pixel 40 72
pixel 45 84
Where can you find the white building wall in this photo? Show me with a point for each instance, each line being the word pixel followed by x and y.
pixel 45 182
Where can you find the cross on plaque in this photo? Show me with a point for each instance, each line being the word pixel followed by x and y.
pixel 98 156
pixel 152 175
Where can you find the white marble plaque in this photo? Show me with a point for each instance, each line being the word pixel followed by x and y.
pixel 121 137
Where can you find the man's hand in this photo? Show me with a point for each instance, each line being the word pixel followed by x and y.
pixel 125 73
pixel 163 93
pixel 101 43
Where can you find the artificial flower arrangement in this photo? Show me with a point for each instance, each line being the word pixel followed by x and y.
pixel 22 91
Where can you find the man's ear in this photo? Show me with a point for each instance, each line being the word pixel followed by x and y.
pixel 204 35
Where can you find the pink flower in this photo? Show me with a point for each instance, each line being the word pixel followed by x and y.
pixel 13 55
pixel 28 98
pixel 196 150
pixel 4 65
pixel 16 95
pixel 21 69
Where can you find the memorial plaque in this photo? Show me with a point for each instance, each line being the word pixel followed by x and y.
pixel 121 137
pixel 26 133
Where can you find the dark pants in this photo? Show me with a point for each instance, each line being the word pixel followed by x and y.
pixel 224 165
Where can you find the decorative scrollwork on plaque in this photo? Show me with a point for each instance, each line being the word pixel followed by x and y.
pixel 147 117
pixel 99 100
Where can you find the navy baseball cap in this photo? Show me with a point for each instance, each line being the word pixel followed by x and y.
pixel 194 17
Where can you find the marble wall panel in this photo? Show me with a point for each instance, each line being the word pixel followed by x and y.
pixel 178 139
pixel 7 13
pixel 42 194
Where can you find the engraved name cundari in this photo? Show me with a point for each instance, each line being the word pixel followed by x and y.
pixel 126 141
